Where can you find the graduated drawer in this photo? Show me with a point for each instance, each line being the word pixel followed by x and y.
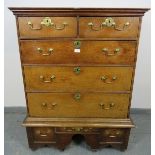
pixel 109 27
pixel 42 27
pixel 77 78
pixel 78 105
pixel 90 52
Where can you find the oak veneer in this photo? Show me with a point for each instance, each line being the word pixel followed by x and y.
pixel 69 31
pixel 91 52
pixel 89 79
pixel 89 105
pixel 108 32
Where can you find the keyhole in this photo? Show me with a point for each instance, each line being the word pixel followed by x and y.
pixel 109 21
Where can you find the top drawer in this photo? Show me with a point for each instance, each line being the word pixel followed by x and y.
pixel 109 27
pixel 42 27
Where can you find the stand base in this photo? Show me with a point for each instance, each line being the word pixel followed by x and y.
pixel 114 134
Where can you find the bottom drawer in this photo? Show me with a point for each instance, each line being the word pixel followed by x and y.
pixel 76 105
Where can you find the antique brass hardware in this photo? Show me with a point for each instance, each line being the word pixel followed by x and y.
pixel 77 44
pixel 118 132
pixel 109 22
pixel 48 23
pixel 64 24
pixel 48 106
pixel 43 133
pixel 78 129
pixel 105 79
pixel 77 96
pixel 113 133
pixel 116 51
pixel 110 106
pixel 94 28
pixel 77 70
pixel 43 79
pixel 44 104
pixel 32 27
pixel 45 54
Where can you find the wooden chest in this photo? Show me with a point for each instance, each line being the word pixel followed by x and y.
pixel 78 70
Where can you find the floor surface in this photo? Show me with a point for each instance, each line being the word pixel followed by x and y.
pixel 16 140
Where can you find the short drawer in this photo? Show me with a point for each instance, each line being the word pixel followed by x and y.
pixel 114 135
pixel 72 79
pixel 42 134
pixel 88 52
pixel 78 105
pixel 42 27
pixel 109 27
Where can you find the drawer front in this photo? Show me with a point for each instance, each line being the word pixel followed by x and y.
pixel 43 134
pixel 76 130
pixel 113 136
pixel 33 27
pixel 109 27
pixel 71 79
pixel 90 52
pixel 78 105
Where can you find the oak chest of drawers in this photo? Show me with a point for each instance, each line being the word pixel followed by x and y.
pixel 78 70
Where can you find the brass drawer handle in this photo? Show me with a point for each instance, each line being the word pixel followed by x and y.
pixel 109 22
pixel 116 51
pixel 77 70
pixel 116 134
pixel 43 133
pixel 94 28
pixel 77 96
pixel 48 23
pixel 43 79
pixel 110 106
pixel 45 54
pixel 105 79
pixel 64 24
pixel 49 106
pixel 113 133
pixel 32 27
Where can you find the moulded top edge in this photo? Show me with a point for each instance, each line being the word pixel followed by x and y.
pixel 80 11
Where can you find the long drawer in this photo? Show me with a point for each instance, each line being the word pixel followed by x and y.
pixel 71 79
pixel 87 52
pixel 44 27
pixel 78 105
pixel 109 27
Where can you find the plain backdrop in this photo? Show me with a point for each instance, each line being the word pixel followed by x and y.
pixel 14 91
